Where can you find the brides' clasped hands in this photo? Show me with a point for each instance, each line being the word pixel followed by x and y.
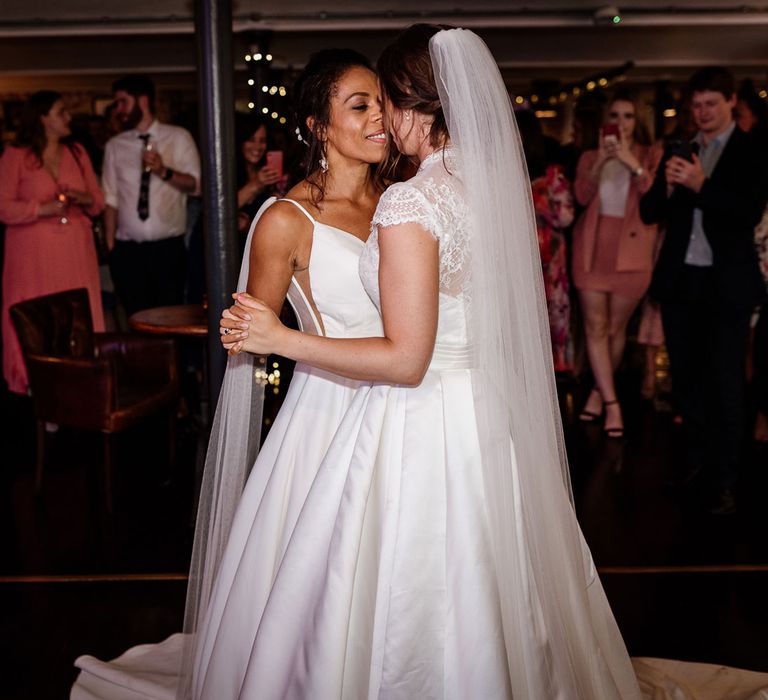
pixel 249 324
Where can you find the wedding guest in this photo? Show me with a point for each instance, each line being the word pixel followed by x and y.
pixel 256 180
pixel 553 204
pixel 613 250
pixel 752 117
pixel 48 191
pixel 707 278
pixel 149 170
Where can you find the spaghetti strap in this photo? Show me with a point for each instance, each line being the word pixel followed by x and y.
pixel 300 208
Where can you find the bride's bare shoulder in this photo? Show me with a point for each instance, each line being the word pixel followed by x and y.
pixel 285 219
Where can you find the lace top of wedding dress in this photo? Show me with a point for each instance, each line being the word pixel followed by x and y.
pixel 433 198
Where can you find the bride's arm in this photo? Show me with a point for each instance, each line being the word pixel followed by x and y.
pixel 408 283
pixel 274 249
pixel 275 243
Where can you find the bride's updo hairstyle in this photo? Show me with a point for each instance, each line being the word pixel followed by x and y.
pixel 408 82
pixel 314 89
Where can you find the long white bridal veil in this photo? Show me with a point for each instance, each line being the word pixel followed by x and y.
pixel 545 577
pixel 232 449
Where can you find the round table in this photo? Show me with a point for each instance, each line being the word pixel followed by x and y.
pixel 183 319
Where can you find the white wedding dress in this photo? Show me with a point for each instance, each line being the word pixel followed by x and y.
pixel 383 586
pixel 369 572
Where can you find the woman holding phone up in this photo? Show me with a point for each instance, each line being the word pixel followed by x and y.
pixel 612 248
pixel 259 171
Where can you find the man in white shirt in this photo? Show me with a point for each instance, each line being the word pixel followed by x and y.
pixel 149 170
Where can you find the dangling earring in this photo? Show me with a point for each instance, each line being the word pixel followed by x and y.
pixel 408 114
pixel 323 162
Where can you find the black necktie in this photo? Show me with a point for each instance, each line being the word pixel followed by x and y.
pixel 143 203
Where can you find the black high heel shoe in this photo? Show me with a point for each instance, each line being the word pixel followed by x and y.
pixel 586 416
pixel 614 433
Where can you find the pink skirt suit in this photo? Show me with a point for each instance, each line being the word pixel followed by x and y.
pixel 42 254
pixel 614 253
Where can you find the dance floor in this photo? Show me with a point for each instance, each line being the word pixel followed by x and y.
pixel 683 584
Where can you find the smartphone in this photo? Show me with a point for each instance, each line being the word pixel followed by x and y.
pixel 610 131
pixel 275 161
pixel 683 149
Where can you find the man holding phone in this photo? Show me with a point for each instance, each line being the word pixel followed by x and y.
pixel 711 193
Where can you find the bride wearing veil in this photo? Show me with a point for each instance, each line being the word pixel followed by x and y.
pixel 437 554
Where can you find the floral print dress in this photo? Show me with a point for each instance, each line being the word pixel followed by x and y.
pixel 553 203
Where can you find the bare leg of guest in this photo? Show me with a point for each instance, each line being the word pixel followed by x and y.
pixel 595 310
pixel 620 310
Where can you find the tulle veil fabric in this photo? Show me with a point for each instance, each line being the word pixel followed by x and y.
pixel 232 449
pixel 545 575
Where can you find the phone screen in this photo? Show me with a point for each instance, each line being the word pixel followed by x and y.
pixel 275 161
pixel 611 130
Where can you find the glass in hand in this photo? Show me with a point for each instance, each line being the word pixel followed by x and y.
pixel 148 148
pixel 63 199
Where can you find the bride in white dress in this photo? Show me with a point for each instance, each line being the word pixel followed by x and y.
pixel 306 247
pixel 437 554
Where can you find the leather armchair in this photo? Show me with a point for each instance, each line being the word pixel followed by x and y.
pixel 95 381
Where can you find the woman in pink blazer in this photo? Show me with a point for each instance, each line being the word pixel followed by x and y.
pixel 613 250
pixel 48 191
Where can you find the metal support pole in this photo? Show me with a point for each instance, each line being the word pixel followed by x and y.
pixel 213 23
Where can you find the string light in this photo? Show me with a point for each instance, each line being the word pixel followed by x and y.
pixel 282 120
pixel 669 113
pixel 251 105
pixel 250 81
pixel 247 57
pixel 264 88
pixel 763 93
pixel 264 110
pixel 274 115
pixel 269 56
pixel 574 90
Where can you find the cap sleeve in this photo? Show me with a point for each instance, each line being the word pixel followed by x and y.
pixel 402 203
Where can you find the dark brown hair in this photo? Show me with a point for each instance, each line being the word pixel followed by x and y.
pixel 246 125
pixel 641 134
pixel 408 82
pixel 714 78
pixel 137 86
pixel 31 133
pixel 314 90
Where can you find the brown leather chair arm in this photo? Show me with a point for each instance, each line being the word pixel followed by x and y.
pixel 72 391
pixel 139 358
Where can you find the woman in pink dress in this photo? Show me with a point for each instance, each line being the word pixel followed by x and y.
pixel 48 191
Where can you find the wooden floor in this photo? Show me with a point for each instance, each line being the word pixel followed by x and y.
pixel 682 583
